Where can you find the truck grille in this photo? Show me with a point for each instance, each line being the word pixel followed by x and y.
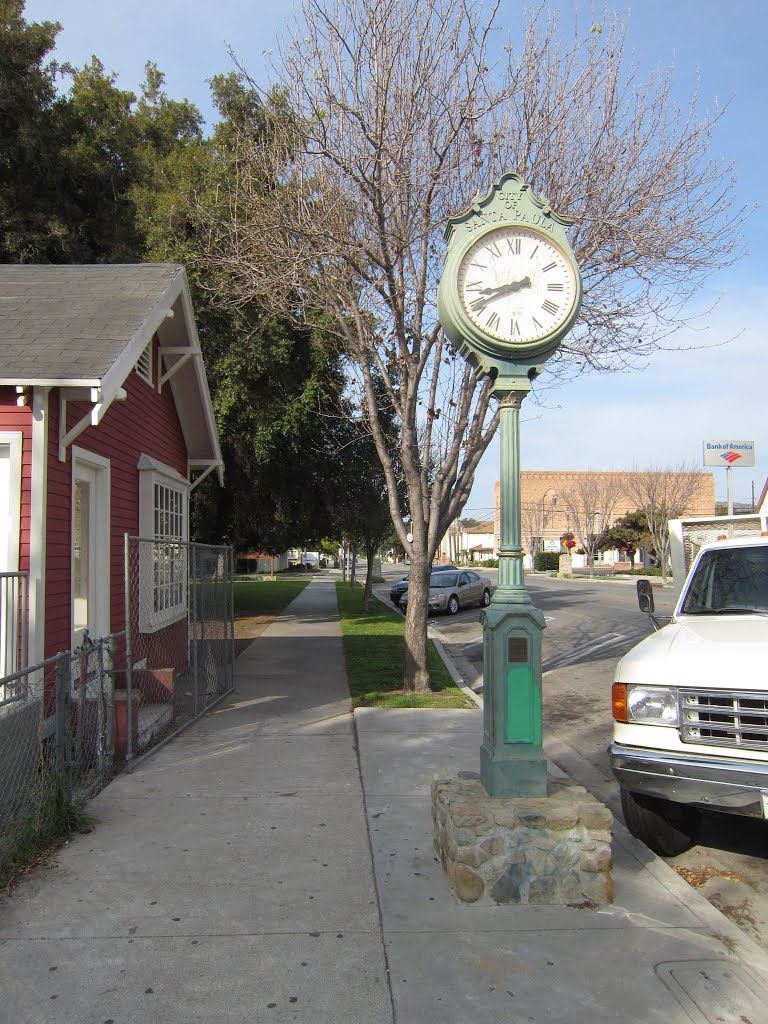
pixel 725 719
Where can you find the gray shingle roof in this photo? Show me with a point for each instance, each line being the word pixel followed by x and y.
pixel 69 323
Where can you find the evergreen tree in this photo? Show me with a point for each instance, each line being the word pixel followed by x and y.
pixel 101 175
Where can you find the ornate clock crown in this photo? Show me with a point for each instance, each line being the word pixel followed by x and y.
pixel 511 194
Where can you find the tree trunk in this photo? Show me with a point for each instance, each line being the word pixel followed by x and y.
pixel 368 591
pixel 664 566
pixel 416 677
pixel 352 565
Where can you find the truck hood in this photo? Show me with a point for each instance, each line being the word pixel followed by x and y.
pixel 714 651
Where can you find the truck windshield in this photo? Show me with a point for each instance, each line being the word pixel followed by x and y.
pixel 733 581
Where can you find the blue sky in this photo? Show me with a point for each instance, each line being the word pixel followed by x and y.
pixel 657 416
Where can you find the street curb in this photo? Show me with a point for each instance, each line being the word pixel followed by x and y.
pixel 655 581
pixel 453 672
pixel 744 946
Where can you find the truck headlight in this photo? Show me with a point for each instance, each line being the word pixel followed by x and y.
pixel 652 705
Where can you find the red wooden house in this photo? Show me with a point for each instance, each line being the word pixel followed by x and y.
pixel 106 427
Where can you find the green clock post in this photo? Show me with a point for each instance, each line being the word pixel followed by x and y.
pixel 510 292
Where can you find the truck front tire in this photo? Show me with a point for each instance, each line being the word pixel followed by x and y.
pixel 665 827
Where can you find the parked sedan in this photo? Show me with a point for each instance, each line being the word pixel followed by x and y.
pixel 399 588
pixel 449 591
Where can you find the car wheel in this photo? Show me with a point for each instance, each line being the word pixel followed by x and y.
pixel 453 604
pixel 485 600
pixel 666 827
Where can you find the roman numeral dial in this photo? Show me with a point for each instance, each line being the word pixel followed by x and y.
pixel 516 285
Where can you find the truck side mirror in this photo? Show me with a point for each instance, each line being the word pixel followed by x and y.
pixel 645 597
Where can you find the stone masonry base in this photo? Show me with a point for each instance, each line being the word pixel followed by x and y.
pixel 547 850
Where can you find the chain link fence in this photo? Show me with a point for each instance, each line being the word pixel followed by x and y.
pixel 180 624
pixel 56 744
pixel 68 722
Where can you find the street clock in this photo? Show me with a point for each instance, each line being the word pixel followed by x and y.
pixel 510 292
pixel 511 288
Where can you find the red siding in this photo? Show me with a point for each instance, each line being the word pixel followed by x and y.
pixel 15 418
pixel 144 423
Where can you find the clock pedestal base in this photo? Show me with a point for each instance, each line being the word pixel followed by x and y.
pixel 512 761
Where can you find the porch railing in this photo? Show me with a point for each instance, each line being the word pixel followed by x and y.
pixel 14 618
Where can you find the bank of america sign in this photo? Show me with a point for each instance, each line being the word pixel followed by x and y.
pixel 729 453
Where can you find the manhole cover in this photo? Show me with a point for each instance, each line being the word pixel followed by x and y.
pixel 715 991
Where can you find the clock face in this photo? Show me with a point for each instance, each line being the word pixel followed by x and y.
pixel 516 285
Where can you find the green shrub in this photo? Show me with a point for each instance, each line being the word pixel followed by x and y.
pixel 546 561
pixel 45 816
pixel 490 563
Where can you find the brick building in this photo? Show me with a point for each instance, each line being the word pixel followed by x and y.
pixel 546 517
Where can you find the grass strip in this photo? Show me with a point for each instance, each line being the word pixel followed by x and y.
pixel 374 655
pixel 266 596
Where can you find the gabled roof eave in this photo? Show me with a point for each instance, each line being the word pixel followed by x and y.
pixel 122 367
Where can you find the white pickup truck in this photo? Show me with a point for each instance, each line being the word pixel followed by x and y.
pixel 690 702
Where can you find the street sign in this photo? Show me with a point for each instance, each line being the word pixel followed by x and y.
pixel 729 453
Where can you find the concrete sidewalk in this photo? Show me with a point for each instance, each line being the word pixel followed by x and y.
pixel 661 953
pixel 232 878
pixel 229 878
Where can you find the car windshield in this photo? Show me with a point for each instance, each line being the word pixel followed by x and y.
pixel 442 579
pixel 733 581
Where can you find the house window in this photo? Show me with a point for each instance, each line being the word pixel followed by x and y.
pixel 144 365
pixel 162 548
pixel 169 586
pixel 169 504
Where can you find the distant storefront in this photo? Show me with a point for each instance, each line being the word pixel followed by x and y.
pixel 546 517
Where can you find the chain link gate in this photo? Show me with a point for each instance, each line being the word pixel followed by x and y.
pixel 180 626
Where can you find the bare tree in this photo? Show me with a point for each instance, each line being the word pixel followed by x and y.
pixel 389 117
pixel 590 501
pixel 534 519
pixel 663 494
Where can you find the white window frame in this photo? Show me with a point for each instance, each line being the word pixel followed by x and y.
pixel 9 555
pixel 9 558
pixel 99 469
pixel 163 550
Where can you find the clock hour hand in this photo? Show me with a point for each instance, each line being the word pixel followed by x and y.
pixel 490 294
pixel 512 286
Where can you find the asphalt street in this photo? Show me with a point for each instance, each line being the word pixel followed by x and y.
pixel 590 624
